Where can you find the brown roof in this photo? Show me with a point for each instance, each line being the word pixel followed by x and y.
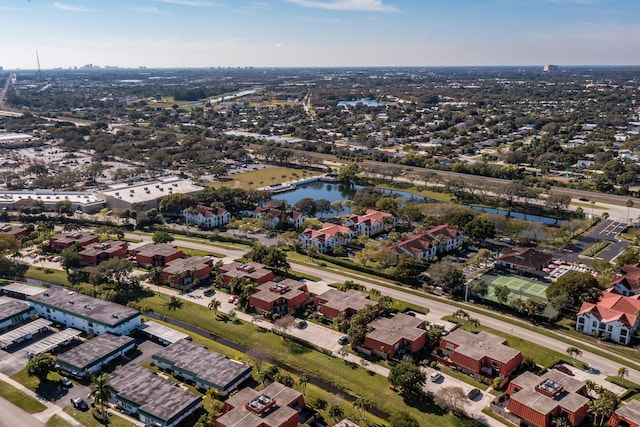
pixel 180 265
pixel 287 289
pixel 69 238
pixel 480 345
pixel 566 395
pixel 341 301
pixel 630 411
pixel 241 416
pixel 107 247
pixel 152 249
pixel 525 257
pixel 402 326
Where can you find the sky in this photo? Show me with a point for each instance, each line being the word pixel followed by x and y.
pixel 317 33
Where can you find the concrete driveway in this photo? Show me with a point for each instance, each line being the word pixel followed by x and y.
pixel 472 407
pixel 599 378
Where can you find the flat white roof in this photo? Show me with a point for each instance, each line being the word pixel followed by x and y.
pixel 164 333
pixel 51 342
pixel 23 331
pixel 24 289
pixel 152 190
pixel 10 136
pixel 50 196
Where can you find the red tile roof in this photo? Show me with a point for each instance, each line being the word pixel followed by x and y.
pixel 629 278
pixel 612 306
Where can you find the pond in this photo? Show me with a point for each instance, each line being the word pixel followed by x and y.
pixel 365 102
pixel 335 191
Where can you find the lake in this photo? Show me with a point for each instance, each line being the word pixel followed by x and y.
pixel 365 102
pixel 333 191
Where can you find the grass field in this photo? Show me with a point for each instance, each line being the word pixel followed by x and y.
pixel 264 177
pixel 58 421
pixel 20 399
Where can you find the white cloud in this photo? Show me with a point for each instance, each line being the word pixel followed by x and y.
pixel 190 2
pixel 279 45
pixel 351 5
pixel 151 10
pixel 70 8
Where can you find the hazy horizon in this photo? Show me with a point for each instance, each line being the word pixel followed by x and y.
pixel 318 33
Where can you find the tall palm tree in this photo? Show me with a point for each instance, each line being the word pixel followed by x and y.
pixel 303 381
pixel 101 392
pixel 362 404
pixel 623 372
pixel 573 353
pixel 155 276
pixel 214 305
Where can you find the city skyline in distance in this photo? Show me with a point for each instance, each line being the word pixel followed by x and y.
pixel 317 33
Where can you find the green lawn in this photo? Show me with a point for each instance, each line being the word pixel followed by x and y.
pixel 20 399
pixel 198 252
pixel 47 389
pixel 57 277
pixel 58 421
pixel 265 177
pixel 87 420
pixel 351 379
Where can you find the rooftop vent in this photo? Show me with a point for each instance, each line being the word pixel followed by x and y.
pixel 260 404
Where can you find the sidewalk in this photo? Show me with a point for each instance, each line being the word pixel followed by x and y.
pixel 52 409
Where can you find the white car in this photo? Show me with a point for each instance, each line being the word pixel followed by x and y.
pixel 435 377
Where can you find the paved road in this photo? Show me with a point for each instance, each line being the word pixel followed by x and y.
pixel 12 416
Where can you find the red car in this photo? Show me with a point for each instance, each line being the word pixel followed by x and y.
pixel 563 369
pixel 233 299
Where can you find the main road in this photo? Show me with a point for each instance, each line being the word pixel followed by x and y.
pixel 438 307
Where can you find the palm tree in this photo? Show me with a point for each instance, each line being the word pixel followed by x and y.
pixel 623 372
pixel 573 353
pixel 101 392
pixel 473 322
pixel 155 276
pixel 362 404
pixel 629 205
pixel 303 381
pixel 336 412
pixel 214 305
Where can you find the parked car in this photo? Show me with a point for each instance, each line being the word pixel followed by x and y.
pixel 302 324
pixel 66 382
pixel 79 404
pixel 563 369
pixel 343 340
pixel 410 313
pixel 473 393
pixel 233 299
pixel 208 292
pixel 435 376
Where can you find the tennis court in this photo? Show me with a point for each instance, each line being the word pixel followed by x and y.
pixel 522 286
pixel 519 287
